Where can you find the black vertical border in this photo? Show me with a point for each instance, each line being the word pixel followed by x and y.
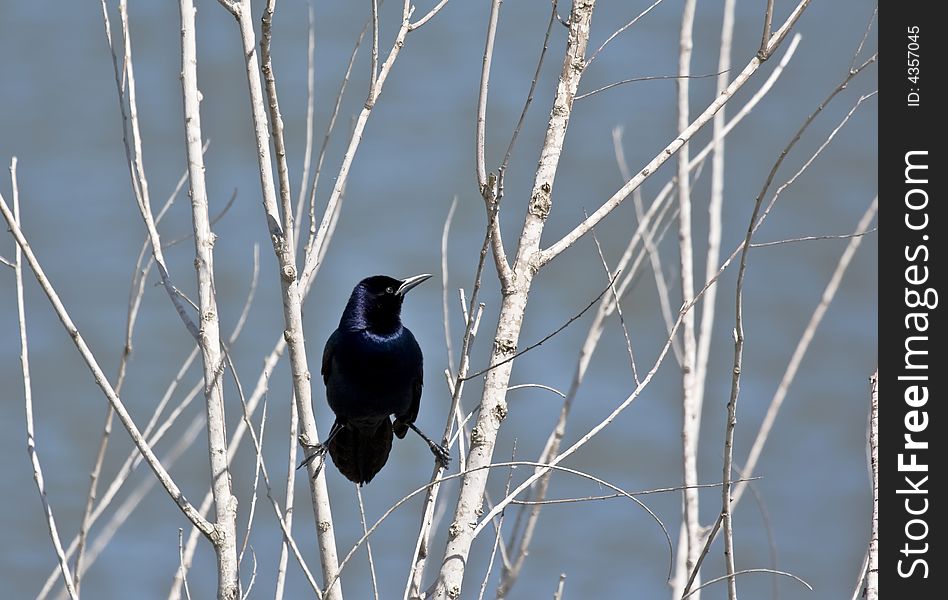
pixel 911 271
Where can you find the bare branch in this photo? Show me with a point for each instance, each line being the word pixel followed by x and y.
pixel 322 149
pixel 456 385
pixel 134 157
pixel 428 16
pixel 620 30
pixel 865 36
pixel 558 594
pixel 497 510
pixel 488 186
pixel 481 127
pixel 644 78
pixel 445 231
pixel 368 546
pixel 315 250
pixel 536 385
pixel 276 124
pixel 746 571
pixel 100 378
pixel 570 238
pixel 225 503
pixel 497 533
pixel 803 345
pixel 548 336
pixel 777 38
pixel 691 401
pixel 615 299
pixel 809 238
pixel 292 283
pixel 184 577
pixel 28 402
pixel 374 64
pixel 310 109
pixel 768 21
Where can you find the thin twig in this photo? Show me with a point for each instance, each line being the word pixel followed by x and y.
pixel 558 594
pixel 691 402
pixel 133 153
pixel 288 503
pixel 768 21
pixel 497 536
pixel 803 345
pixel 330 127
pixel 662 490
pixel 266 481
pixel 701 556
pixel 745 572
pixel 549 335
pixel 620 30
pixel 428 16
pixel 291 278
pixel 445 232
pixel 63 562
pixel 310 110
pixel 865 36
pixel 617 198
pixel 615 298
pixel 751 461
pixel 170 487
pixel 638 79
pixel 153 435
pixel 648 243
pixel 456 385
pixel 495 511
pixel 526 105
pixel 320 239
pixel 258 463
pixel 488 186
pixel 184 576
pixel 536 385
pixel 809 238
pixel 374 63
pixel 368 546
pixel 225 503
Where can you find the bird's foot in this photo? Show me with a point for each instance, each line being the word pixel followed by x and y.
pixel 319 451
pixel 441 454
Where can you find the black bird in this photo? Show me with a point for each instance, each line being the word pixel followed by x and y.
pixel 372 368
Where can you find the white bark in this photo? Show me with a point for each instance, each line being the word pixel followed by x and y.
pixel 281 235
pixel 225 503
pixel 493 401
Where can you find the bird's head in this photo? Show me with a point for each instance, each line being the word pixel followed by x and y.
pixel 376 303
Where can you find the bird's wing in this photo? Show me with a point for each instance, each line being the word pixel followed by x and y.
pixel 326 369
pixel 417 384
pixel 403 420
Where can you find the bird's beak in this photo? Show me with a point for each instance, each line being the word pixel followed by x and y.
pixel 411 282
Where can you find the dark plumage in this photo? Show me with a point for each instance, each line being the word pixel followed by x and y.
pixel 372 368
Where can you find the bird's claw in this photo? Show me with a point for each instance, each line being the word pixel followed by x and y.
pixel 319 450
pixel 441 455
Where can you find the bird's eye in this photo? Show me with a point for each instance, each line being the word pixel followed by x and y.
pixel 389 290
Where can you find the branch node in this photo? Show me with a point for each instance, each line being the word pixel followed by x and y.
pixel 504 347
pixel 540 202
pixel 500 411
pixel 477 438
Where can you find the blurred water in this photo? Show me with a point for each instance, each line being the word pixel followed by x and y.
pixel 58 114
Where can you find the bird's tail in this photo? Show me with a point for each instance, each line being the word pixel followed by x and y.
pixel 361 453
